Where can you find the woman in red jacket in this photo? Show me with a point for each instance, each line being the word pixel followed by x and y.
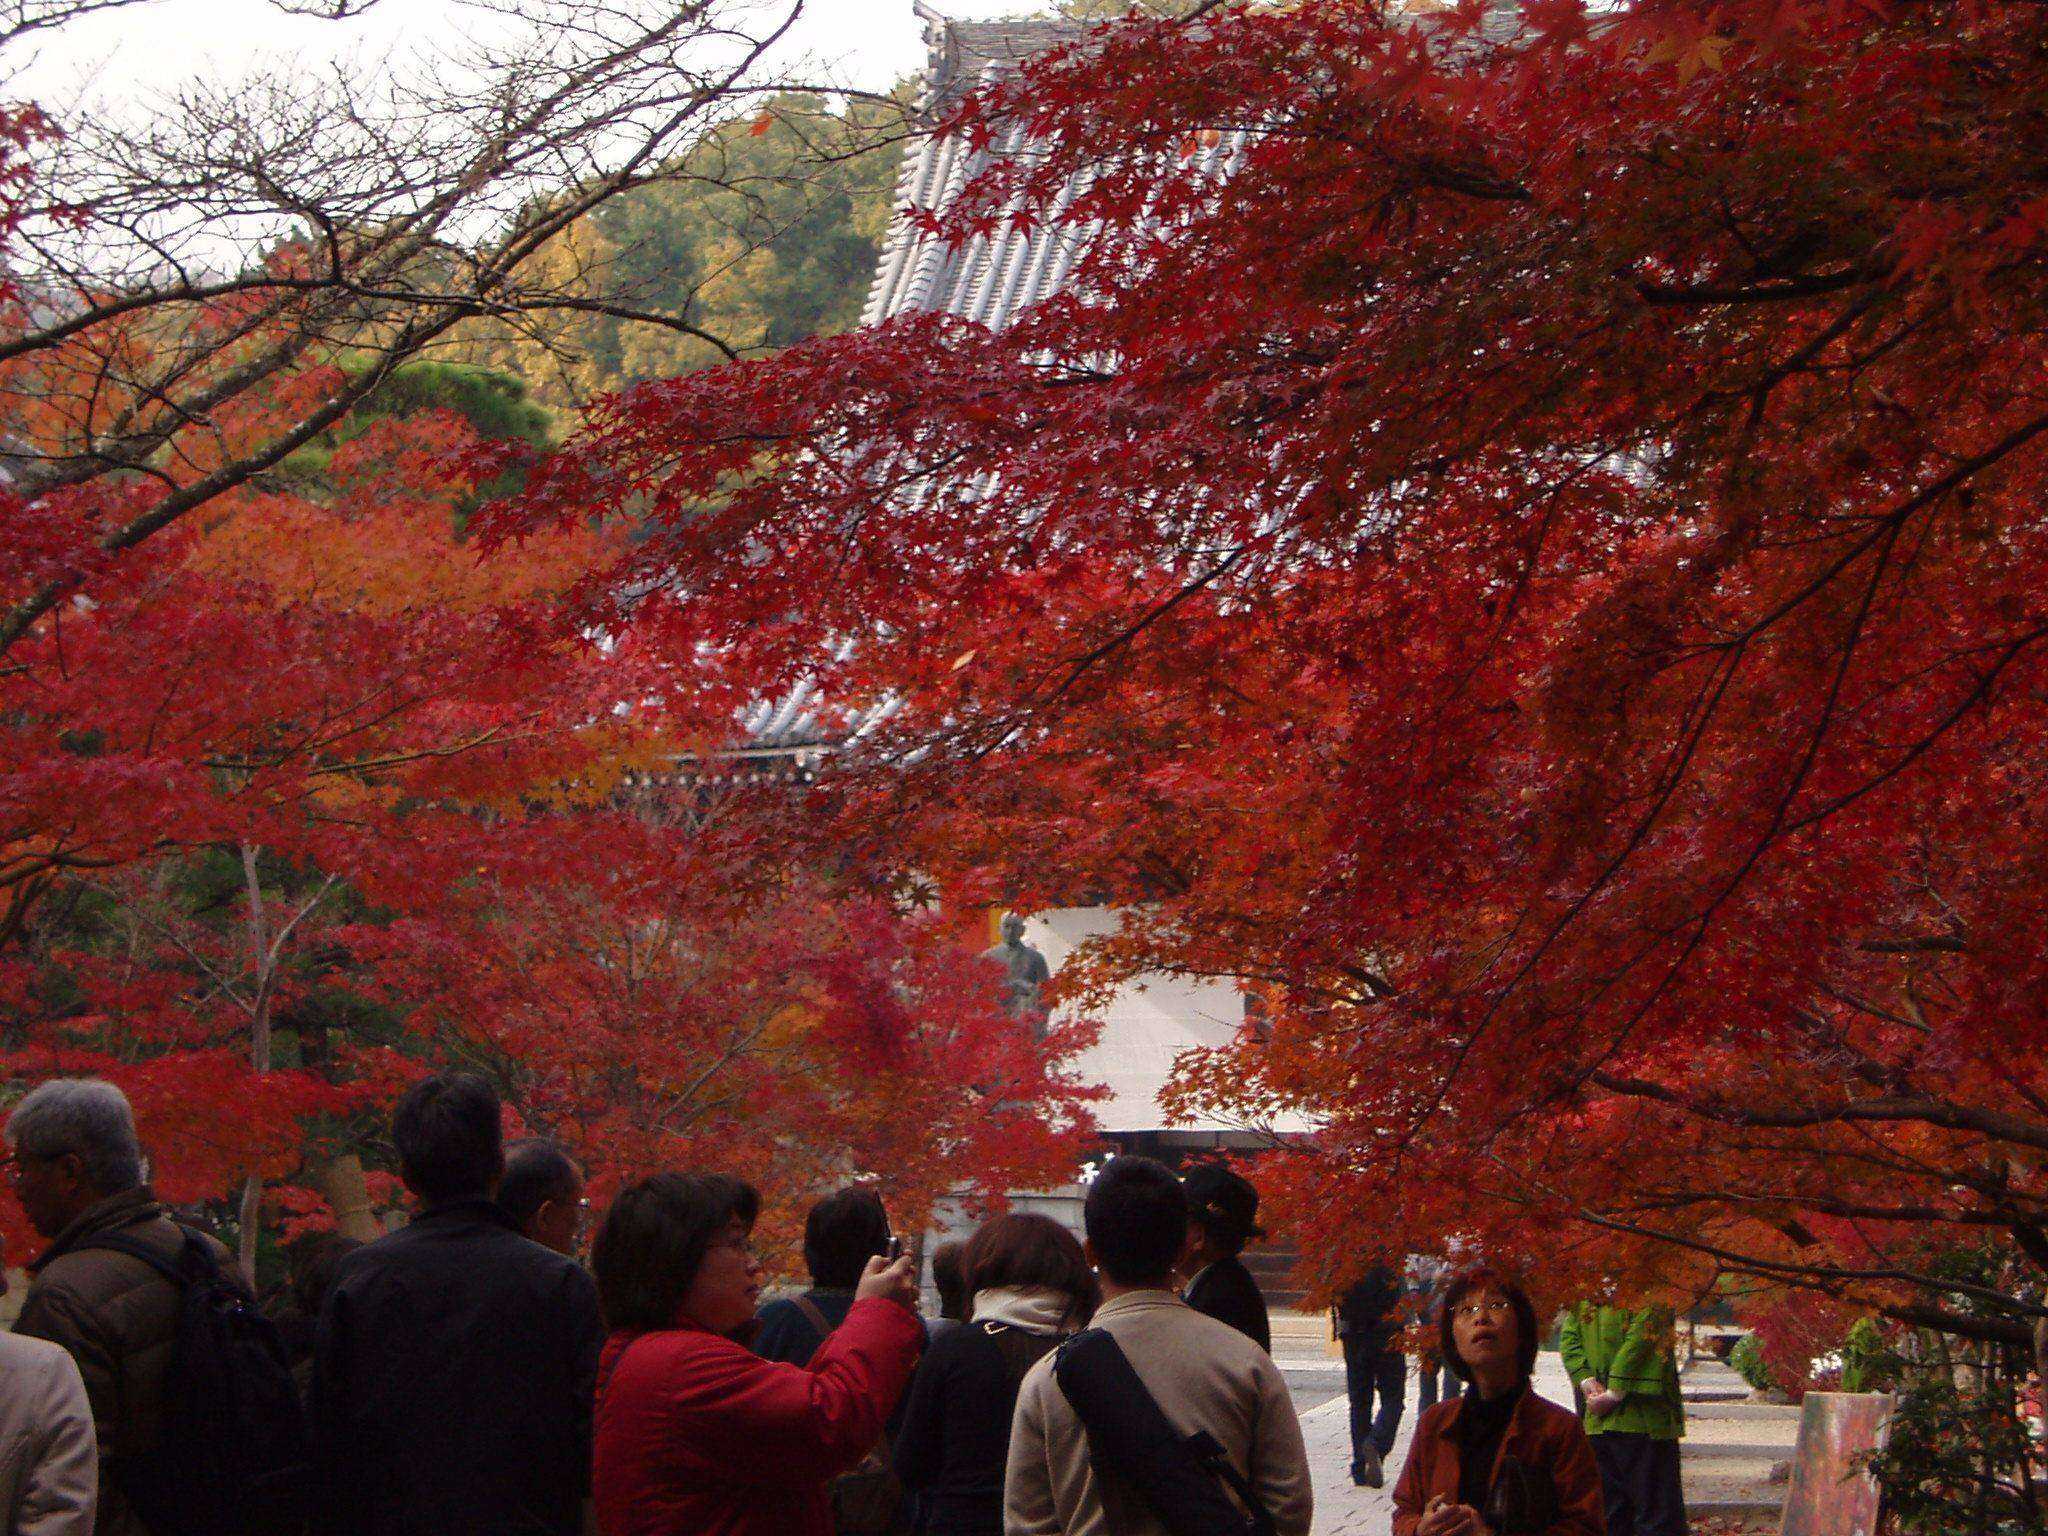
pixel 696 1435
pixel 1499 1461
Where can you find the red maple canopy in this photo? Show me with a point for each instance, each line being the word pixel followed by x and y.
pixel 1539 570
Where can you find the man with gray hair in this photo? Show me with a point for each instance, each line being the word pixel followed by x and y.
pixel 77 1169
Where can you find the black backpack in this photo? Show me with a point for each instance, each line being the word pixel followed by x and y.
pixel 1181 1477
pixel 235 1458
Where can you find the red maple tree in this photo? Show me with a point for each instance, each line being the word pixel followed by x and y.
pixel 303 790
pixel 1538 571
pixel 311 792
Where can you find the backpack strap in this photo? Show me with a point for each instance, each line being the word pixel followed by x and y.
pixel 181 1272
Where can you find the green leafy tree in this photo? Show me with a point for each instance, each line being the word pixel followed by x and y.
pixel 765 233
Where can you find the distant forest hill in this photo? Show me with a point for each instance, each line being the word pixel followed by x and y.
pixel 770 235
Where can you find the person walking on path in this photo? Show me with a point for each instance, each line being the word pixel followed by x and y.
pixel 1500 1459
pixel 1223 1212
pixel 1030 1287
pixel 49 1461
pixel 1624 1360
pixel 696 1434
pixel 77 1169
pixel 1368 1323
pixel 1424 1279
pixel 455 1359
pixel 1204 1375
pixel 842 1232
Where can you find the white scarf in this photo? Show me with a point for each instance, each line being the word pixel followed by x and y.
pixel 1038 1309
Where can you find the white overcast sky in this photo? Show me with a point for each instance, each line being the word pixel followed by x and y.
pixel 871 43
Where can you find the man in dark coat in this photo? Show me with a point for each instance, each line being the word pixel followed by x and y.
pixel 77 1170
pixel 1368 1325
pixel 1223 1212
pixel 456 1359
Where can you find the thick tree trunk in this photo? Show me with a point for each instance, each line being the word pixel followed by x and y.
pixel 348 1194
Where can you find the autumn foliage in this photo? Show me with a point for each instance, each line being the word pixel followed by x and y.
pixel 1537 569
pixel 308 792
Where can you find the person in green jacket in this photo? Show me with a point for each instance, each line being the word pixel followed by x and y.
pixel 1624 1360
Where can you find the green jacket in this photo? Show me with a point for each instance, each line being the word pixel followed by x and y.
pixel 1630 1350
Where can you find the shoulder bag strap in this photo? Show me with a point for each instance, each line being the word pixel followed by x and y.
pixel 814 1317
pixel 1130 1433
pixel 1209 1451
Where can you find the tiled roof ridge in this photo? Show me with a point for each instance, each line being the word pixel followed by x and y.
pixel 960 53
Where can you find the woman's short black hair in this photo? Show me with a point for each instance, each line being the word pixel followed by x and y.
pixel 841 1234
pixel 1527 1334
pixel 1025 1251
pixel 451 1145
pixel 653 1242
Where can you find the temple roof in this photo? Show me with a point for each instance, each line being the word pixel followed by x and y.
pixel 992 277
pixel 989 279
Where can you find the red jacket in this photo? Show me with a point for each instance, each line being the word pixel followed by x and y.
pixel 1540 1434
pixel 698 1436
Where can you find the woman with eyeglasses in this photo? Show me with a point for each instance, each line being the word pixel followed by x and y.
pixel 1498 1461
pixel 695 1434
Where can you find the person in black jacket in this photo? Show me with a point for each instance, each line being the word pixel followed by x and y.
pixel 842 1232
pixel 1030 1286
pixel 1368 1324
pixel 1223 1212
pixel 455 1361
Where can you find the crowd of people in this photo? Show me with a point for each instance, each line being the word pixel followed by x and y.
pixel 468 1374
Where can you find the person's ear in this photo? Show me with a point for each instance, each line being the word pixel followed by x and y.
pixel 1088 1253
pixel 70 1167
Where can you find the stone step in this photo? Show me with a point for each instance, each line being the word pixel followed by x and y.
pixel 1709 1381
pixel 1746 1410
pixel 1286 1320
pixel 1697 1452
pixel 1745 1512
pixel 1713 1376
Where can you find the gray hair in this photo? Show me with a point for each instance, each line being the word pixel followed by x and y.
pixel 87 1116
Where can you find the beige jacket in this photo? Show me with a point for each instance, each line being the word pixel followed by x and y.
pixel 49 1462
pixel 1205 1375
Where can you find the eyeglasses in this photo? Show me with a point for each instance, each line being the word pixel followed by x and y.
pixel 15 1161
pixel 1495 1307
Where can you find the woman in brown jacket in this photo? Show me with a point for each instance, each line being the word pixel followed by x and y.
pixel 1499 1461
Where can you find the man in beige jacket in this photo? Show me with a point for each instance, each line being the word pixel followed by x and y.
pixel 49 1464
pixel 1205 1375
